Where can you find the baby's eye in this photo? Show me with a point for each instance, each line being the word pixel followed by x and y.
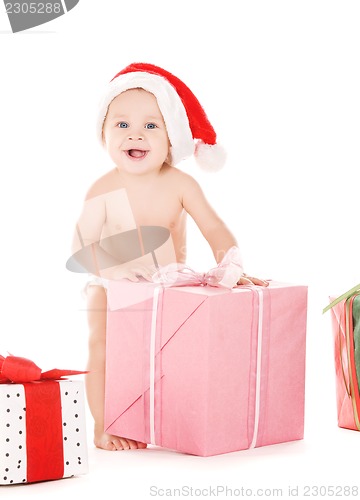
pixel 122 125
pixel 150 125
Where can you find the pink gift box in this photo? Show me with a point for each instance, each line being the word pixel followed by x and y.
pixel 204 370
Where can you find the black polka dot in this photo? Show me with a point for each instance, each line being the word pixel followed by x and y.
pixel 20 432
pixel 8 410
pixel 7 395
pixel 6 470
pixel 5 478
pixel 7 425
pixel 20 447
pixel 7 440
pixel 18 395
pixel 76 415
pixel 64 424
pixel 7 455
pixel 75 401
pixel 67 463
pixel 65 438
pixel 77 444
pixel 66 393
pixel 77 430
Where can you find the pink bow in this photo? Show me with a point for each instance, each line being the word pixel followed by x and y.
pixel 225 275
pixel 22 370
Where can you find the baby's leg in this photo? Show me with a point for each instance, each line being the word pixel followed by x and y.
pixel 95 379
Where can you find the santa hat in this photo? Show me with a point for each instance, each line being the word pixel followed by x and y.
pixel 188 127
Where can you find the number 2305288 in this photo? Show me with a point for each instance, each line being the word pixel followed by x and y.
pixel 33 8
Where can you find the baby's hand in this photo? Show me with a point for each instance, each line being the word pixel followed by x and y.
pixel 134 273
pixel 249 280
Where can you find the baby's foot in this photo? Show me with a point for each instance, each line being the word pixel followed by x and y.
pixel 114 443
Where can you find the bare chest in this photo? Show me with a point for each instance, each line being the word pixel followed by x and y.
pixel 128 209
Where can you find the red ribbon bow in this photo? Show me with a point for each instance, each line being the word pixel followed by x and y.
pixel 22 370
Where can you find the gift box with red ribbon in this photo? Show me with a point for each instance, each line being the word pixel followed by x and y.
pixel 42 423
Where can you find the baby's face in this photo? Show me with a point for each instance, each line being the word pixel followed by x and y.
pixel 134 132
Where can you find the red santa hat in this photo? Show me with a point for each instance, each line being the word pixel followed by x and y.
pixel 189 129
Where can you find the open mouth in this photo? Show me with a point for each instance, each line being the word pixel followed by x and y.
pixel 136 154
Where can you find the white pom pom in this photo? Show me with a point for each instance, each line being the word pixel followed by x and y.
pixel 210 157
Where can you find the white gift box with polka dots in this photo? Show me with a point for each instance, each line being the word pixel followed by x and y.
pixel 15 456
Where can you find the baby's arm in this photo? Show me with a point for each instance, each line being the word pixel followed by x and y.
pixel 86 247
pixel 211 225
pixel 89 225
pixel 91 252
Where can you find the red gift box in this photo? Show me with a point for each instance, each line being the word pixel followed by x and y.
pixel 42 424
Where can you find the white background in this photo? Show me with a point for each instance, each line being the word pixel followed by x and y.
pixel 280 82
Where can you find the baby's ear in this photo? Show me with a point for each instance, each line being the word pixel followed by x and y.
pixel 169 160
pixel 103 141
pixel 169 156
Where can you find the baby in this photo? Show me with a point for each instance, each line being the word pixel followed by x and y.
pixel 149 121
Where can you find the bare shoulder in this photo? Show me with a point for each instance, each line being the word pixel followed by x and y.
pixel 183 181
pixel 106 183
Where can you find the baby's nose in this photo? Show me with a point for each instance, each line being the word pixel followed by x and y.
pixel 136 136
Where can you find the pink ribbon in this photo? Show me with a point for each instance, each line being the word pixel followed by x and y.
pixel 225 275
